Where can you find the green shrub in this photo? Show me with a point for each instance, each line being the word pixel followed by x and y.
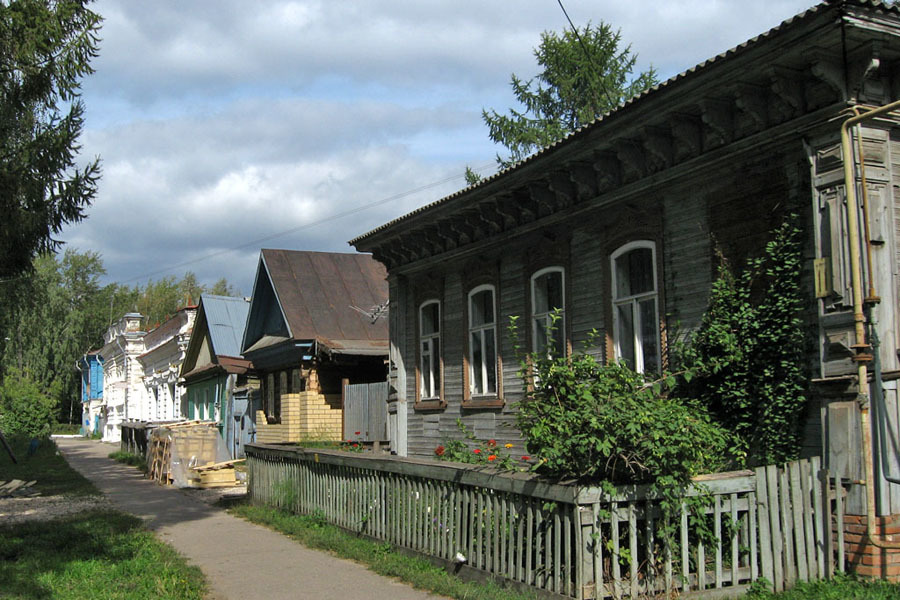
pixel 595 422
pixel 24 408
pixel 748 353
pixel 66 428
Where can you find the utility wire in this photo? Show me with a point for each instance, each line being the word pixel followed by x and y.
pixel 327 219
pixel 587 55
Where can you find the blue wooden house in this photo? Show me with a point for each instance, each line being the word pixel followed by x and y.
pixel 91 368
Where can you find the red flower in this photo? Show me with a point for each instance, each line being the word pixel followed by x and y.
pixel 356 445
pixel 477 451
pixel 355 433
pixel 439 451
pixel 492 443
pixel 492 457
pixel 526 458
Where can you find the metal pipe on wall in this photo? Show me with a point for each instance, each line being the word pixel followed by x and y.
pixel 862 358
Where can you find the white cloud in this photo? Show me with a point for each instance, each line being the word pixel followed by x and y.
pixel 222 122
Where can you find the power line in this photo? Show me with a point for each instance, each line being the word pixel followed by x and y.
pixel 327 219
pixel 587 55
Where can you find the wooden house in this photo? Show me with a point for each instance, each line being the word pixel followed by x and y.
pixel 219 383
pixel 90 368
pixel 314 324
pixel 617 226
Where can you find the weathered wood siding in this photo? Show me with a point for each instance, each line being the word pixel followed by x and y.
pixel 731 209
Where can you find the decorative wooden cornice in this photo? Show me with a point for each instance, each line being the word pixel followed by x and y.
pixel 752 101
pixel 726 101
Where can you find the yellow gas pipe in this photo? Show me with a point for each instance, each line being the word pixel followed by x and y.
pixel 862 358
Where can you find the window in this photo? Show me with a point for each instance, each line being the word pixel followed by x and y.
pixel 430 350
pixel 635 306
pixel 482 342
pixel 548 300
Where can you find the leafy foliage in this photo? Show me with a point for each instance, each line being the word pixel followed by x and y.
pixel 607 424
pixel 52 315
pixel 47 46
pixel 748 353
pixel 596 422
pixel 585 74
pixel 24 408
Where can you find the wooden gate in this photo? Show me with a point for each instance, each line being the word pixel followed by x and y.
pixel 365 411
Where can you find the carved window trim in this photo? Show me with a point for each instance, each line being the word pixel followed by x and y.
pixel 542 319
pixel 435 400
pixel 487 399
pixel 635 302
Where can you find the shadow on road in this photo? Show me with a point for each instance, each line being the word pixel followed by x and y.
pixel 158 506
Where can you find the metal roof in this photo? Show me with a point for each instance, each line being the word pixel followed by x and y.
pixel 226 318
pixel 322 294
pixel 689 73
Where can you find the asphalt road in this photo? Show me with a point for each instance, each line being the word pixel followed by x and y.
pixel 242 561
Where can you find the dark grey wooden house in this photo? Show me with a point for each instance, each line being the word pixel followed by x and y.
pixel 313 325
pixel 617 225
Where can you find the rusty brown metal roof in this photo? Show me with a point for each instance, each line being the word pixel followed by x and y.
pixel 322 294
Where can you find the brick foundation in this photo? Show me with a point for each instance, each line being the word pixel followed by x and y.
pixel 865 559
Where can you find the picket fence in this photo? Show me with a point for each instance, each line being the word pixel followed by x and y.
pixel 568 540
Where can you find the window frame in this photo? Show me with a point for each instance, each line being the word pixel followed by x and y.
pixel 434 400
pixel 561 326
pixel 634 300
pixel 483 398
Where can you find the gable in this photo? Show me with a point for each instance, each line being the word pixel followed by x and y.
pixel 265 317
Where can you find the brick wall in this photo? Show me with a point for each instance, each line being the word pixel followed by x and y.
pixel 319 419
pixel 304 416
pixel 865 559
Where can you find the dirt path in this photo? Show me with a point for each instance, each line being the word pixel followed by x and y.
pixel 242 561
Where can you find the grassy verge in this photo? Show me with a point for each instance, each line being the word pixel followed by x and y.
pixel 314 532
pixel 842 587
pixel 99 554
pixel 66 428
pixel 42 462
pixel 135 460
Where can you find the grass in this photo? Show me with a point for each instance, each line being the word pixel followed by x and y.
pixel 842 587
pixel 98 555
pixel 66 428
pixel 45 465
pixel 314 532
pixel 134 460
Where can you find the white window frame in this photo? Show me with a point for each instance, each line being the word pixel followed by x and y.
pixel 432 392
pixel 487 327
pixel 544 319
pixel 634 300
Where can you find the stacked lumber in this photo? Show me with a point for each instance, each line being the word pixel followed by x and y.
pixel 177 449
pixel 219 474
pixel 17 489
pixel 160 455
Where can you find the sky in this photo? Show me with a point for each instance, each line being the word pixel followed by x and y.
pixel 226 126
